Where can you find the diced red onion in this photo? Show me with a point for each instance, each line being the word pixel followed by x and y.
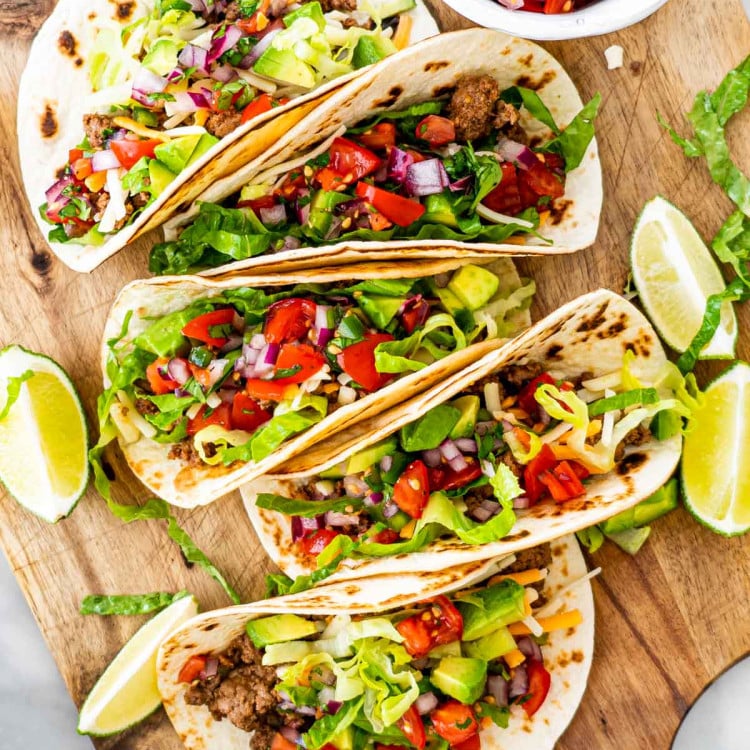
pixel 512 4
pixel 262 367
pixel 521 502
pixel 335 228
pixel 258 341
pixel 381 173
pixel 385 463
pixel 390 509
pixel 274 215
pixel 249 354
pixel 272 353
pixel 175 75
pixel 519 683
pixel 197 5
pixel 178 370
pixel 458 463
pixel 55 192
pixel 301 526
pixel 321 316
pixel 507 426
pixel 199 99
pixel 305 710
pixel 224 73
pixel 517 153
pixel 448 449
pixel 183 102
pixel 497 687
pixel 466 445
pixel 480 514
pixel 334 518
pixel 211 669
pixel 233 342
pixel 303 213
pixel 355 486
pixel 146 82
pixel 292 734
pixel 482 428
pixel 529 648
pixel 249 60
pixel 426 703
pixel 216 370
pixel 290 243
pixel 101 161
pixel 426 178
pixel 373 498
pixel 432 457
pixel 461 185
pixel 398 162
pixel 334 707
pixel 422 308
pixel 221 44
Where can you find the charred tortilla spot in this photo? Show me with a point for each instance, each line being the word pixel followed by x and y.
pixel 92 16
pixel 66 42
pixel 124 10
pixel 441 91
pixel 431 67
pixel 616 328
pixel 78 62
pixel 631 462
pixel 516 537
pixel 526 60
pixel 208 627
pixel 393 96
pixel 554 351
pixel 535 141
pixel 558 210
pixel 527 82
pixel 48 122
pixel 577 655
pixel 594 321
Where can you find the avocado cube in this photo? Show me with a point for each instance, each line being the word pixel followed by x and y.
pixel 321 210
pixel 278 629
pixel 460 677
pixel 379 309
pixel 446 649
pixel 206 142
pixel 474 286
pixel 308 10
pixel 371 49
pixel 500 604
pixel 491 646
pixel 176 153
pixel 284 65
pixel 159 177
pixel 162 57
pixel 363 460
pixel 469 408
pixel 438 210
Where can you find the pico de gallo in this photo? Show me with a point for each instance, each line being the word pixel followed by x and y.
pixel 171 84
pixel 232 376
pixel 517 438
pixel 545 6
pixel 435 674
pixel 462 168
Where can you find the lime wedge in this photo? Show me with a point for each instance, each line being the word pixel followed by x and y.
pixel 716 454
pixel 43 438
pixel 127 691
pixel 675 273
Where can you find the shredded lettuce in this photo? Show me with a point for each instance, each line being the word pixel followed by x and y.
pixel 623 400
pixel 554 400
pixel 129 604
pixel 307 508
pixel 430 430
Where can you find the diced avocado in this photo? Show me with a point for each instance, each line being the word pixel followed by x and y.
pixel 648 510
pixel 439 211
pixel 206 142
pixel 285 653
pixel 321 210
pixel 162 57
pixel 380 310
pixel 469 408
pixel 278 629
pixel 487 610
pixel 253 192
pixel 308 10
pixel 164 336
pixel 491 646
pixel 630 540
pixel 335 472
pixel 176 153
pixel 371 49
pixel 148 118
pixel 344 740
pixel 460 677
pixel 388 8
pixel 449 300
pixel 474 286
pixel 283 65
pixel 159 177
pixel 370 456
pixel 446 649
pixel 430 429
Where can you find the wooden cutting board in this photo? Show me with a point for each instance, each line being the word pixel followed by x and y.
pixel 668 620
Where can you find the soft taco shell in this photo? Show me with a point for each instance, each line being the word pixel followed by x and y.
pixel 52 100
pixel 567 654
pixel 424 71
pixel 588 335
pixel 187 486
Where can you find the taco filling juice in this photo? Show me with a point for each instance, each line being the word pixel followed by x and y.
pixel 230 377
pixel 434 674
pixel 461 168
pixel 179 79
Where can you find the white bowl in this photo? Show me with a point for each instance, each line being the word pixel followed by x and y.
pixel 601 17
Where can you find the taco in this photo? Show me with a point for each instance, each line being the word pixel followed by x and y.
pixel 472 141
pixel 371 663
pixel 575 420
pixel 128 109
pixel 212 382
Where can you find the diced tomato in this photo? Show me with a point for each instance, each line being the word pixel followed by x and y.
pixel 304 356
pixel 221 415
pixel 262 103
pixel 380 136
pixel 130 152
pixel 562 482
pixel 443 477
pixel 289 320
pixel 358 361
pixel 378 222
pixel 352 161
pixel 579 469
pixel 412 489
pixel 417 636
pixel 412 726
pixel 539 682
pixel 473 743
pixel 386 536
pixel 543 461
pixel 313 544
pixel 250 25
pixel 81 168
pixel 436 130
pixel 192 668
pixel 441 623
pixel 265 390
pixel 399 210
pixel 542 180
pixel 454 722
pixel 266 201
pixel 247 414
pixel 329 179
pixel 200 328
pixel 558 6
pixel 505 198
pixel 554 161
pixel 290 188
pixel 279 742
pixel 526 398
pixel 160 384
pixel 451 623
pixel 74 155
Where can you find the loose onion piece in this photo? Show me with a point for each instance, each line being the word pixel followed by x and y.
pixel 498 218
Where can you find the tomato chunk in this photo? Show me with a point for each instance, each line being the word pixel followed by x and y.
pixel 412 726
pixel 352 161
pixel 443 477
pixel 262 103
pixel 412 489
pixel 526 398
pixel 303 358
pixel 221 415
pixel 279 742
pixel 541 463
pixel 505 198
pixel 566 484
pixel 247 413
pixel 289 320
pixel 203 328
pixel 129 152
pixel 192 669
pixel 265 390
pixel 542 180
pixel 436 130
pixel 358 361
pixel 473 743
pixel 454 722
pixel 539 682
pixel 160 384
pixel 313 544
pixel 396 208
pixel 380 136
pixel 441 623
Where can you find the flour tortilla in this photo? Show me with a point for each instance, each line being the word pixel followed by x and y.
pixel 567 654
pixel 188 486
pixel 54 88
pixel 588 335
pixel 421 72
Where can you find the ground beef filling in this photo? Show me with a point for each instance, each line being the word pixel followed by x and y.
pixel 243 692
pixel 344 6
pixel 95 127
pixel 224 122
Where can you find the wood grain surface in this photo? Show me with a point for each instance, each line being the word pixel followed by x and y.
pixel 668 620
